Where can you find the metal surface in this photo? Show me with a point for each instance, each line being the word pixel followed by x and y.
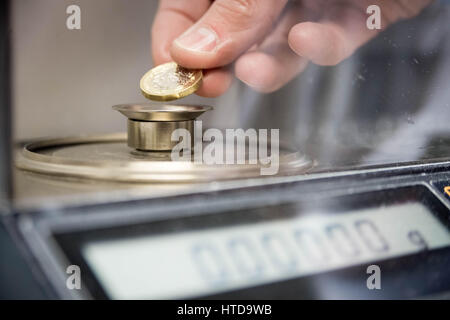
pixel 161 112
pixel 107 158
pixel 313 190
pixel 150 126
pixel 156 135
pixel 170 81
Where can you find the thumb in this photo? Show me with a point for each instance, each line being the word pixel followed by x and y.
pixel 226 30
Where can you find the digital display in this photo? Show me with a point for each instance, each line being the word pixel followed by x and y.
pixel 207 261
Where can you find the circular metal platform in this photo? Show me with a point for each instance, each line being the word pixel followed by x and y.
pixel 158 112
pixel 107 157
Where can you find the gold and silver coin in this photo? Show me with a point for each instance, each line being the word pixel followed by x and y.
pixel 170 81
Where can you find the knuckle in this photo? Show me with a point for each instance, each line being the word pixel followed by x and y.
pixel 410 8
pixel 237 8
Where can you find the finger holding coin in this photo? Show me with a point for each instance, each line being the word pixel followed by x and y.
pixel 170 81
pixel 216 81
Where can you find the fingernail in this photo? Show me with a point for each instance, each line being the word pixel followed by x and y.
pixel 201 40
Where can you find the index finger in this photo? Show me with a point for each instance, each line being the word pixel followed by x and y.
pixel 172 19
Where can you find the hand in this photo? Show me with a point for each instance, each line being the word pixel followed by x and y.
pixel 268 42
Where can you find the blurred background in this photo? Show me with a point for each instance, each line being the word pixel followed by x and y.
pixel 65 81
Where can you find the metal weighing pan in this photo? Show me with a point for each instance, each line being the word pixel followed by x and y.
pixel 107 157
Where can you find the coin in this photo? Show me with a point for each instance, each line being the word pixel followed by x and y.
pixel 170 81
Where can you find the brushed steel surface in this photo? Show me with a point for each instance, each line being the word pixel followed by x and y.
pixel 156 135
pixel 107 158
pixel 161 112
pixel 150 126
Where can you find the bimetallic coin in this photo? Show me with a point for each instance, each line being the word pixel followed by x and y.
pixel 170 81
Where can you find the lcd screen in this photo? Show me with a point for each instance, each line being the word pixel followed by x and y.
pixel 212 260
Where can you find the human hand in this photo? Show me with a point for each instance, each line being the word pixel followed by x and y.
pixel 266 42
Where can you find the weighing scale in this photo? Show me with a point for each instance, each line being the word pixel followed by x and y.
pixel 141 227
pixel 307 232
